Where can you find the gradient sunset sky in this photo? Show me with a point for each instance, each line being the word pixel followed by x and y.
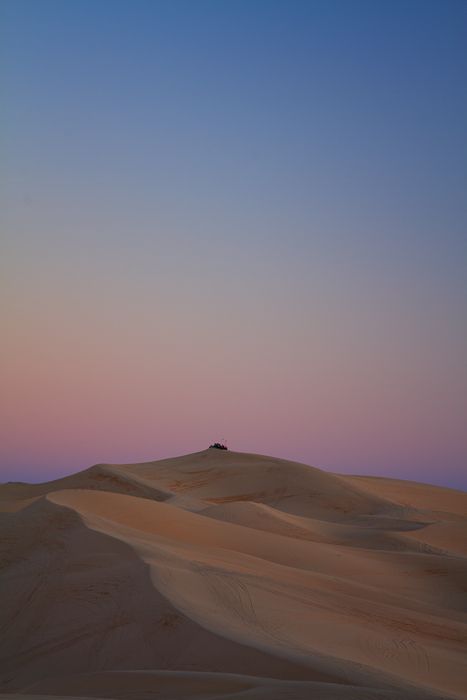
pixel 235 219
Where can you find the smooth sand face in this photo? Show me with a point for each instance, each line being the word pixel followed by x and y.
pixel 228 575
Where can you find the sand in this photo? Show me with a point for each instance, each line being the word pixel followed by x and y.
pixel 223 575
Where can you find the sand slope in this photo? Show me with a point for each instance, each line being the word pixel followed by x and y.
pixel 229 575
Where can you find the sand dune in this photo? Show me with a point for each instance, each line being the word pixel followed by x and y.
pixel 229 575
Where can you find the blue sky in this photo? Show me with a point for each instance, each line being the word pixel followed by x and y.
pixel 296 170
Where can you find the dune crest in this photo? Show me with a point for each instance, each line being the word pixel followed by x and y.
pixel 231 575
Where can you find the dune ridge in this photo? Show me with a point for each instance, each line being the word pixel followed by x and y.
pixel 232 575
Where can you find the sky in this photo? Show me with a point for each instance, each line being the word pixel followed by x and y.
pixel 240 221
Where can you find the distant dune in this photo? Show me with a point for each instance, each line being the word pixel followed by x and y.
pixel 230 576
